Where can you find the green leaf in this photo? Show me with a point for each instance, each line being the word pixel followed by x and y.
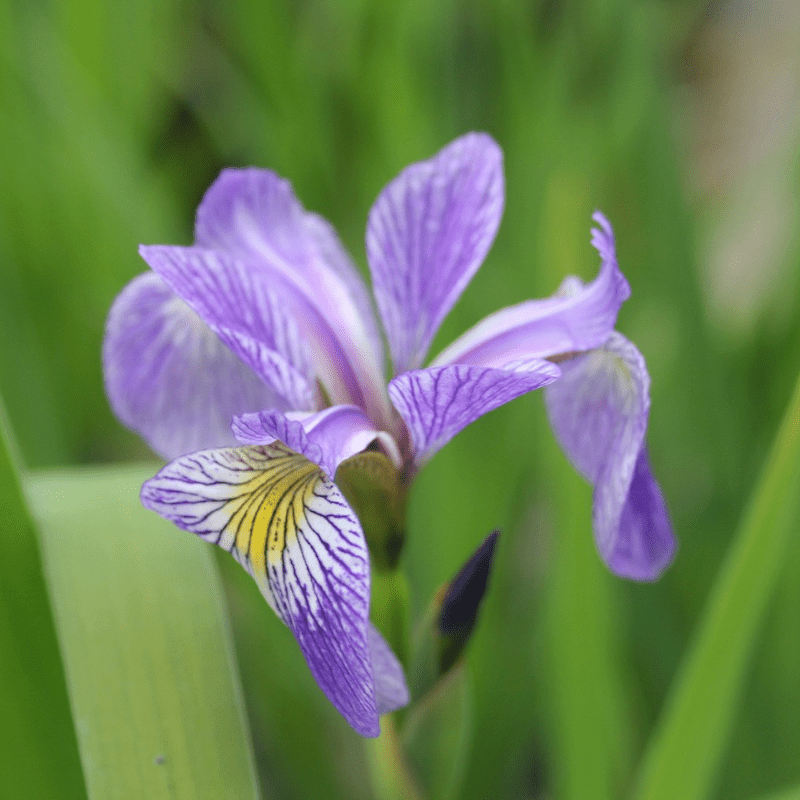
pixel 38 751
pixel 146 642
pixel 684 755
pixel 786 794
pixel 437 733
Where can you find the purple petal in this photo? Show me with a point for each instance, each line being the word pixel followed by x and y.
pixel 427 234
pixel 391 691
pixel 294 532
pixel 254 216
pixel 649 543
pixel 327 438
pixel 599 410
pixel 168 377
pixel 579 317
pixel 438 402
pixel 246 315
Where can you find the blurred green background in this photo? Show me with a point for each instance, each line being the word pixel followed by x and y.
pixel 678 119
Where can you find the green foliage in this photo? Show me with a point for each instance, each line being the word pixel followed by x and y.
pixel 38 752
pixel 116 117
pixel 686 750
pixel 146 641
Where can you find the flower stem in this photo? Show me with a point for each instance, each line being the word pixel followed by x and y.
pixel 388 768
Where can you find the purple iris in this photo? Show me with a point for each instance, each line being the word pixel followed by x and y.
pixel 257 352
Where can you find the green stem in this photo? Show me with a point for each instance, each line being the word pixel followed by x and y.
pixel 389 771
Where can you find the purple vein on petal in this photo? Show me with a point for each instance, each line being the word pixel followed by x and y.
pixel 427 234
pixel 294 532
pixel 438 402
pixel 578 317
pixel 599 411
pixel 169 377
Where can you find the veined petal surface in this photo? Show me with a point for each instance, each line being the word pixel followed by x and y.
pixel 327 438
pixel 246 315
pixel 578 317
pixel 599 410
pixel 169 377
pixel 438 402
pixel 427 234
pixel 254 216
pixel 292 529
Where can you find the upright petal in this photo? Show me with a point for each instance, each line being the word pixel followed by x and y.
pixel 327 438
pixel 254 216
pixel 427 234
pixel 246 315
pixel 169 377
pixel 293 531
pixel 436 403
pixel 578 317
pixel 599 410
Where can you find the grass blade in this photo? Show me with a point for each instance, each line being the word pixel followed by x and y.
pixel 145 637
pixel 684 755
pixel 38 751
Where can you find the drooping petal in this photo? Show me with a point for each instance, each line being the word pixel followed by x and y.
pixel 254 216
pixel 427 234
pixel 578 317
pixel 327 438
pixel 436 403
pixel 246 315
pixel 169 377
pixel 599 410
pixel 293 531
pixel 649 543
pixel 391 691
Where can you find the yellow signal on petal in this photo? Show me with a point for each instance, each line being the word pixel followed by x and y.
pixel 266 510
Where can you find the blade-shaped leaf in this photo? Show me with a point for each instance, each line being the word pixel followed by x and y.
pixel 146 643
pixel 684 756
pixel 38 752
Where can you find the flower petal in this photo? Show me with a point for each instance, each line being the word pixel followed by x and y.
pixel 327 438
pixel 246 315
pixel 391 691
pixel 578 317
pixel 599 410
pixel 254 216
pixel 168 377
pixel 427 234
pixel 436 403
pixel 293 531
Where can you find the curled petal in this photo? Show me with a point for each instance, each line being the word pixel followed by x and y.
pixel 391 691
pixel 247 316
pixel 438 402
pixel 327 438
pixel 578 317
pixel 254 216
pixel 169 377
pixel 599 410
pixel 291 528
pixel 427 234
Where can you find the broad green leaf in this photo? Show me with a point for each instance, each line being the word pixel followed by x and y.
pixel 146 642
pixel 684 755
pixel 786 794
pixel 38 751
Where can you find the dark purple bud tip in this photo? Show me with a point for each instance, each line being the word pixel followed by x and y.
pixel 462 600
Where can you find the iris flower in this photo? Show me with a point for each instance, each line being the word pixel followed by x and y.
pixel 254 360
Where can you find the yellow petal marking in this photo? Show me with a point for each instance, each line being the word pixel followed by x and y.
pixel 268 508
